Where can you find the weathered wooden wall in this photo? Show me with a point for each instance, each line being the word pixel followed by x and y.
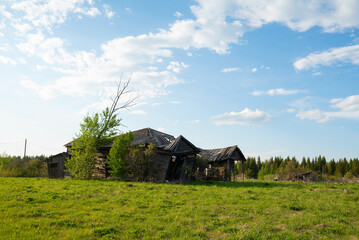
pixel 56 165
pixel 161 163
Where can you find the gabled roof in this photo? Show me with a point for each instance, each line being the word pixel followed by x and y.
pixel 223 154
pixel 181 146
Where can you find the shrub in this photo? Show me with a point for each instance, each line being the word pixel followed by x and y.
pixel 140 164
pixel 269 177
pixel 23 167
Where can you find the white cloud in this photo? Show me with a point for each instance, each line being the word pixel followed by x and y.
pixel 323 116
pixel 216 26
pixel 348 54
pixel 138 112
pixel 196 121
pixel 6 60
pixel 254 70
pixel 47 13
pixel 245 117
pixel 175 102
pixel 273 92
pixel 161 129
pixel 156 104
pixel 4 48
pixel 109 14
pixel 22 28
pixel 348 109
pixel 40 67
pixel 350 103
pixel 176 67
pixel 314 114
pixel 178 14
pixel 226 70
pixel 334 15
pixel 92 12
pixel 290 110
pixel 4 12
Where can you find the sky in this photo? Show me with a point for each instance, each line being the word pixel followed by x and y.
pixel 276 78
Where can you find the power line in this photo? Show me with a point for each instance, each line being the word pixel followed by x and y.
pixel 47 148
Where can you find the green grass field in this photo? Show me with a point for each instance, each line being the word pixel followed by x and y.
pixel 33 208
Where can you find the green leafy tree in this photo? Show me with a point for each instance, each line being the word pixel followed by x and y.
pixel 119 152
pixel 96 130
pixel 140 164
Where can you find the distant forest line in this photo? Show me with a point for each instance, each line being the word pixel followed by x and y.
pixel 324 170
pixel 35 166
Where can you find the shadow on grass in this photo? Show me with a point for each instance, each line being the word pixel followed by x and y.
pixel 250 184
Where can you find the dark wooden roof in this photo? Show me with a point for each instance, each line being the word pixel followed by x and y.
pixel 223 154
pixel 181 146
pixel 144 136
pixel 149 135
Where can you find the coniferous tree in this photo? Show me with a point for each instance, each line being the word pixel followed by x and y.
pixel 303 163
pixel 339 168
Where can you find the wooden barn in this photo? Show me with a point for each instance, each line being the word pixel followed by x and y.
pixel 173 157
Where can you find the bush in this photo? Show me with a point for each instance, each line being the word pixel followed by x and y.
pixel 128 162
pixel 23 167
pixel 269 177
pixel 199 166
pixel 349 176
pixel 140 164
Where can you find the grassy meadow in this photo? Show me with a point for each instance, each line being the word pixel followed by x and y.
pixel 40 208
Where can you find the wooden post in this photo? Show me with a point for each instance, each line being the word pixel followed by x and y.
pixel 25 148
pixel 183 168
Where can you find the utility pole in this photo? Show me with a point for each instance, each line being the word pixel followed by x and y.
pixel 25 148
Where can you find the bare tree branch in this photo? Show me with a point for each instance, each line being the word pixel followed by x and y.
pixel 122 89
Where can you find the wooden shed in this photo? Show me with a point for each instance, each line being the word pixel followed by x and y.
pixel 56 165
pixel 224 157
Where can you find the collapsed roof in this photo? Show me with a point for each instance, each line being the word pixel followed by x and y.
pixel 181 146
pixel 149 135
pixel 223 154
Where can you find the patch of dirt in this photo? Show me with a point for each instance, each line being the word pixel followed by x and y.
pixel 322 225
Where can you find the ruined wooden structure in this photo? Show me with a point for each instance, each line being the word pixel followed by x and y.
pixel 305 177
pixel 173 158
pixel 224 158
pixel 56 165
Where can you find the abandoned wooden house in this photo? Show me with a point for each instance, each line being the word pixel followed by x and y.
pixel 173 158
pixel 223 158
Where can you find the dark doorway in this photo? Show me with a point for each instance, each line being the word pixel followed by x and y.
pixel 175 168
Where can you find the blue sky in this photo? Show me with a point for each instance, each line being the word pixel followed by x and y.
pixel 273 77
